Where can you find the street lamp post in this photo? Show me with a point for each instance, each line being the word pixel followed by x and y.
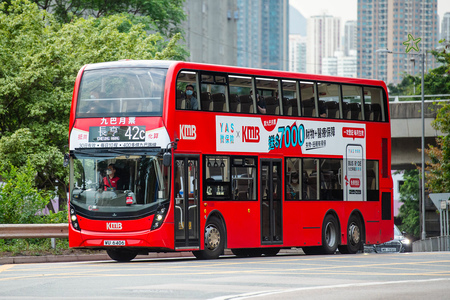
pixel 422 54
pixel 422 115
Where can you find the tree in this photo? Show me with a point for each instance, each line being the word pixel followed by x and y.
pixel 405 87
pixel 39 61
pixel 436 81
pixel 20 200
pixel 409 195
pixel 164 16
pixel 438 169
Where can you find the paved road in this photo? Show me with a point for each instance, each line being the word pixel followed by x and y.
pixel 365 276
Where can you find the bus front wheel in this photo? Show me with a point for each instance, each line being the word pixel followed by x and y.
pixel 214 240
pixel 354 236
pixel 330 235
pixel 121 255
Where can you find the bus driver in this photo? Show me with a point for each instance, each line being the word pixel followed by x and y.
pixel 110 181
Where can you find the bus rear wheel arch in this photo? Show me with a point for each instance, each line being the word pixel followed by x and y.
pixel 214 240
pixel 330 237
pixel 355 235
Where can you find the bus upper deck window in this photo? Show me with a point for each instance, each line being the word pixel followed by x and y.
pixel 187 91
pixel 351 103
pixel 121 92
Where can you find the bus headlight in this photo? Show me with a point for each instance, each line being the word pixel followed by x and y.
pixel 159 217
pixel 74 219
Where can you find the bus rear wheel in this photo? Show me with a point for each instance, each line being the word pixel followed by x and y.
pixel 121 255
pixel 214 240
pixel 354 236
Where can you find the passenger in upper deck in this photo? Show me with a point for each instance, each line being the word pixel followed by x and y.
pixel 191 102
pixel 322 110
pixel 261 104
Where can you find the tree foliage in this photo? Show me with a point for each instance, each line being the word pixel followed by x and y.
pixel 409 195
pixel 436 81
pixel 163 16
pixel 39 61
pixel 20 199
pixel 438 169
pixel 405 87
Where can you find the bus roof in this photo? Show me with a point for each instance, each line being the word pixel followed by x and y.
pixel 127 63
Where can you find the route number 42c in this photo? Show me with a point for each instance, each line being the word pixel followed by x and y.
pixel 135 133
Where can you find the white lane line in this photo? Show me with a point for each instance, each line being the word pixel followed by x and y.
pixel 274 292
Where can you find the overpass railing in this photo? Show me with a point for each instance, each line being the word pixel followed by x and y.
pixel 418 97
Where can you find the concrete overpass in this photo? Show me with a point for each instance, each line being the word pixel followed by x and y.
pixel 406 131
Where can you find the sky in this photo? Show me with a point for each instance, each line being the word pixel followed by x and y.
pixel 345 9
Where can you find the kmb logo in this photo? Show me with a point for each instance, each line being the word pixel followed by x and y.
pixel 188 132
pixel 114 226
pixel 250 134
pixel 355 183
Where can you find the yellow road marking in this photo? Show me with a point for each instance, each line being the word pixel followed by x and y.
pixel 5 267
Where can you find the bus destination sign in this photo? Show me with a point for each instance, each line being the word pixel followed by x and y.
pixel 116 133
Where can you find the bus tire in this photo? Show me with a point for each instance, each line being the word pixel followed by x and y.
pixel 311 250
pixel 270 251
pixel 330 235
pixel 240 252
pixel 354 236
pixel 214 240
pixel 121 255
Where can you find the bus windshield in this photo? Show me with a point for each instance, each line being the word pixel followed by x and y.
pixel 119 92
pixel 122 183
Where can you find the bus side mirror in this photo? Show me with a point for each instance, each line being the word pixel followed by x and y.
pixel 66 160
pixel 167 159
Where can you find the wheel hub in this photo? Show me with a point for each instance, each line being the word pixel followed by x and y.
pixel 212 237
pixel 354 234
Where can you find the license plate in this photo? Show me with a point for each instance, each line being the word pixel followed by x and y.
pixel 388 249
pixel 114 243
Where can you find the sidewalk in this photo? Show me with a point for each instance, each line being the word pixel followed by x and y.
pixel 104 256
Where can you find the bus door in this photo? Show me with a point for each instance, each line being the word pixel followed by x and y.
pixel 186 182
pixel 271 203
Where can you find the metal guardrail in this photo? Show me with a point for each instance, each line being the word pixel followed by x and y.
pixel 439 243
pixel 26 231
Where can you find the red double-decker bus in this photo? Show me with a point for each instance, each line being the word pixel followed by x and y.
pixel 176 156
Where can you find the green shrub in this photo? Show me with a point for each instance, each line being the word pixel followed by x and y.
pixel 20 199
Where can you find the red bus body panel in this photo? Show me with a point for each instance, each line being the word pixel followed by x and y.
pixel 302 220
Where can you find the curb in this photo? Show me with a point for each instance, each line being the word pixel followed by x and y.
pixel 81 257
pixel 104 256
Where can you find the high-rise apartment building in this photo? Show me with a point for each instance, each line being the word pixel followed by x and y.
pixel 445 27
pixel 263 34
pixel 350 41
pixel 385 24
pixel 211 31
pixel 340 64
pixel 297 53
pixel 323 38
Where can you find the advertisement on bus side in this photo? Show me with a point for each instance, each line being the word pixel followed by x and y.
pixel 302 138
